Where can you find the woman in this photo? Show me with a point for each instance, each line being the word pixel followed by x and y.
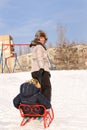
pixel 40 63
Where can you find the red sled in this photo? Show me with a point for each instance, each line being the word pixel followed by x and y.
pixel 34 111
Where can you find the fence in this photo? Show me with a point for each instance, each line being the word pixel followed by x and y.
pixel 15 58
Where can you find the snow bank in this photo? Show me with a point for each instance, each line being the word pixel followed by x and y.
pixel 69 101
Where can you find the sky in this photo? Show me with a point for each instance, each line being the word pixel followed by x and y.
pixel 23 18
pixel 69 101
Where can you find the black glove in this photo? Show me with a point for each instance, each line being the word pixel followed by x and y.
pixel 41 72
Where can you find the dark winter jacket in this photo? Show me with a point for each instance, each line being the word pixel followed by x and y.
pixel 29 94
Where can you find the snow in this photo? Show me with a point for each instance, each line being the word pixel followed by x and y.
pixel 69 101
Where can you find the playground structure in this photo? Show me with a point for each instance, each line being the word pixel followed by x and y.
pixel 6 50
pixel 9 58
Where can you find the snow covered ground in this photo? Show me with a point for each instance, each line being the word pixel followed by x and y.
pixel 69 101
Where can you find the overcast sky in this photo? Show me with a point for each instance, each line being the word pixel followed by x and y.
pixel 22 18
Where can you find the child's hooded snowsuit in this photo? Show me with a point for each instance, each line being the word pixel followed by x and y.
pixel 29 94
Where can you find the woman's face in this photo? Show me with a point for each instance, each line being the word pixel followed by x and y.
pixel 42 40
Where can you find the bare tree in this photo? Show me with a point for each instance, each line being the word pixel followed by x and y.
pixel 61 34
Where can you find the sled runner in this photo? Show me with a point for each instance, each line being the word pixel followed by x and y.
pixel 34 111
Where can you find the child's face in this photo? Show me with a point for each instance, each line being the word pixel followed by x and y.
pixel 42 40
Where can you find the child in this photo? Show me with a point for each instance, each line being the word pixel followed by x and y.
pixel 30 94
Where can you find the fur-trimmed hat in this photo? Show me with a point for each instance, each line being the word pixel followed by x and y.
pixel 41 33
